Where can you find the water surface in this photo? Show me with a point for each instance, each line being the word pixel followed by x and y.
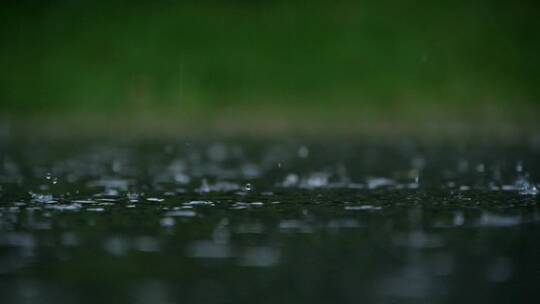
pixel 268 221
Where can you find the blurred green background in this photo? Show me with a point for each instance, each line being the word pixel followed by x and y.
pixel 63 57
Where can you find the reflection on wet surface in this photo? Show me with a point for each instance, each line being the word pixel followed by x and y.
pixel 268 222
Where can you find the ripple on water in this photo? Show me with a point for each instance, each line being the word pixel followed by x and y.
pixel 181 213
pixel 363 208
pixel 209 249
pixel 259 257
pixel 411 219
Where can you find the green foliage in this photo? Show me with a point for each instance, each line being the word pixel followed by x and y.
pixel 210 54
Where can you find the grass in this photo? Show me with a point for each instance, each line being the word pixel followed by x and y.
pixel 204 59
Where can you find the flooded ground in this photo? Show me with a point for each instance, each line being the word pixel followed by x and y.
pixel 271 222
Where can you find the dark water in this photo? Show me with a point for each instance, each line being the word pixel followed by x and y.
pixel 269 222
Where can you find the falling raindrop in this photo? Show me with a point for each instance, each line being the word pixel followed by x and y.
pixel 51 178
pixel 519 167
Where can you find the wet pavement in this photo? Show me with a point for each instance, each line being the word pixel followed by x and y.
pixel 269 221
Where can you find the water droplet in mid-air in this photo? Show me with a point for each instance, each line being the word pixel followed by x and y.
pixel 525 187
pixel 51 178
pixel 519 167
pixel 303 152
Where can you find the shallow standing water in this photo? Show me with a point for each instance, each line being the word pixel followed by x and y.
pixel 271 222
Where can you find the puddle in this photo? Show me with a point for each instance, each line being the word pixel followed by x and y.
pixel 347 222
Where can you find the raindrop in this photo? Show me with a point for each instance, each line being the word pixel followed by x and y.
pixel 303 152
pixel 316 180
pixel 199 203
pixel 519 167
pixel 290 180
pixel 133 196
pixel 167 222
pixel 525 187
pixel 41 198
pixel 364 208
pixel 155 199
pixel 204 186
pixel 51 178
pixel 480 168
pixel 181 213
